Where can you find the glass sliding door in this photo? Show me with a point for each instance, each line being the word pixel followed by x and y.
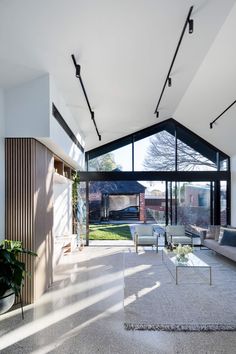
pixel 155 202
pixel 193 201
pixel 223 203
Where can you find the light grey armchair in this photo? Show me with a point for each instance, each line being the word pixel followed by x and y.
pixel 145 235
pixel 175 234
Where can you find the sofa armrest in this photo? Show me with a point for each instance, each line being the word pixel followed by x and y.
pixel 156 234
pixel 203 235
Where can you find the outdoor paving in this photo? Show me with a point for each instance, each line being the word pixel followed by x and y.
pixel 83 313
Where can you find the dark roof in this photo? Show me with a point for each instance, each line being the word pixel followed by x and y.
pixel 117 187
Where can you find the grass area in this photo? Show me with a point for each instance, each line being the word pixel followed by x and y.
pixel 109 232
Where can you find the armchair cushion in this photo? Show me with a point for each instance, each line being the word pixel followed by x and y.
pixel 144 230
pixel 145 236
pixel 176 234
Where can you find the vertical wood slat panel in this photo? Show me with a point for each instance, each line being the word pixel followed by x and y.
pixel 27 169
pixel 17 200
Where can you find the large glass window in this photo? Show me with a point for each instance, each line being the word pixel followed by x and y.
pixel 193 203
pixel 119 159
pixel 188 159
pixel 224 163
pixel 193 154
pixel 116 200
pixel 155 201
pixel 155 153
pixel 172 150
pixel 223 202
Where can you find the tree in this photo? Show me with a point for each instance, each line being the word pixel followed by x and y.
pixel 161 155
pixel 105 162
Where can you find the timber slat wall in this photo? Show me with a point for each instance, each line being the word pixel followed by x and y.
pixel 29 209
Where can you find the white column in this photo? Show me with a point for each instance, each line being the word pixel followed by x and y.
pixel 233 190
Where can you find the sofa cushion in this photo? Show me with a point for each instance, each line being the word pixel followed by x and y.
pixel 228 251
pixel 183 240
pixel 212 244
pixel 213 232
pixel 147 240
pixel 229 238
pixel 175 230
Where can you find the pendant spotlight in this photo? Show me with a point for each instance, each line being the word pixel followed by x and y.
pixel 169 82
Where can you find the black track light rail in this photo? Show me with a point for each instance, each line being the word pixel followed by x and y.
pixel 167 80
pixel 226 109
pixel 78 75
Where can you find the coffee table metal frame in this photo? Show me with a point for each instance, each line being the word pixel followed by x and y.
pixel 193 262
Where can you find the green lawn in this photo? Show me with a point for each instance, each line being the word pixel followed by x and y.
pixel 109 232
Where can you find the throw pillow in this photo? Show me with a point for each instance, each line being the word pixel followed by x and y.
pixel 213 232
pixel 210 235
pixel 229 238
pixel 222 229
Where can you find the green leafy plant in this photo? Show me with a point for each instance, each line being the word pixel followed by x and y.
pixel 75 199
pixel 12 269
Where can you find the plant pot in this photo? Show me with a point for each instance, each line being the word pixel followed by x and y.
pixel 7 301
pixel 182 258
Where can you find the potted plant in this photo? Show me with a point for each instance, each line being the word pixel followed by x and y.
pixel 182 252
pixel 12 272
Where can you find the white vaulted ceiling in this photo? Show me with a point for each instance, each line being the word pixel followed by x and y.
pixel 124 48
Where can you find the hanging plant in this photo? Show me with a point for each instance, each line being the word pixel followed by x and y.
pixel 75 199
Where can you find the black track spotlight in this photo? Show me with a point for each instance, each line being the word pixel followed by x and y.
pixel 190 25
pixel 78 75
pixel 157 114
pixel 77 70
pixel 169 82
pixel 211 125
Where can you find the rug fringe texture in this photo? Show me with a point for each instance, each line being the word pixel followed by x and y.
pixel 179 327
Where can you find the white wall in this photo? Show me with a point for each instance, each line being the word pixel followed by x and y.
pixel 58 135
pixel 2 167
pixel 212 90
pixel 233 190
pixel 62 197
pixel 27 109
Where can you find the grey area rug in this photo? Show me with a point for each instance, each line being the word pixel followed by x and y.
pixel 152 300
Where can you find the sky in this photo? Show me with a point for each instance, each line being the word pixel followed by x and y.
pixel 123 156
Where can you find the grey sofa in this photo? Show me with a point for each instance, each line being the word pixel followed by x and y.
pixel 211 239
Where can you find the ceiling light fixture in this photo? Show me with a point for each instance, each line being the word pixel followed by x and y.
pixel 157 114
pixel 78 75
pixel 169 82
pixel 211 124
pixel 168 78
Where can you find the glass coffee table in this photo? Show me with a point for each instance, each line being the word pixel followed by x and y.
pixel 169 259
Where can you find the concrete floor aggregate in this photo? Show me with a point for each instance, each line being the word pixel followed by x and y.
pixel 83 313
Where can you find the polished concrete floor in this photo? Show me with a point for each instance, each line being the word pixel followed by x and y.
pixel 83 313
